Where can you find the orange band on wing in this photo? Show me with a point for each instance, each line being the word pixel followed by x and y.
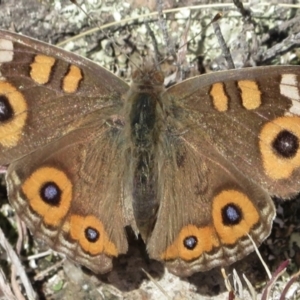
pixel 41 68
pixel 219 98
pixel 250 94
pixel 72 80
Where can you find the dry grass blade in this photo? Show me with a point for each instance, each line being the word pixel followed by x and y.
pixel 280 270
pixel 156 284
pixel 250 288
pixel 48 270
pixel 261 259
pixel 289 285
pixel 17 265
pixel 226 280
pixel 5 288
pixel 238 286
pixel 142 17
pixel 223 46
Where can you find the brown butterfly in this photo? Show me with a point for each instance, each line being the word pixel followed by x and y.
pixel 191 168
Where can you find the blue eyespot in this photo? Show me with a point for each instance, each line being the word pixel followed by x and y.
pixel 51 193
pixel 190 242
pixel 6 111
pixel 231 214
pixel 286 144
pixel 92 234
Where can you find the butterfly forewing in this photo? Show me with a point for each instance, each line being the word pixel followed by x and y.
pixel 243 113
pixel 47 92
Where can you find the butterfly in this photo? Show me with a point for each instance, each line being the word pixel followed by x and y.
pixel 190 168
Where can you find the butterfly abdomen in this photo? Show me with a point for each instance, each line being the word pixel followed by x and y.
pixel 143 137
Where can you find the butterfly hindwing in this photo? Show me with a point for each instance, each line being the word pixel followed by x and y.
pixel 68 194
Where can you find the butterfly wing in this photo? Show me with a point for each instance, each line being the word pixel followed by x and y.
pixel 217 165
pixel 46 92
pixel 69 193
pixel 253 122
pixel 207 207
pixel 60 123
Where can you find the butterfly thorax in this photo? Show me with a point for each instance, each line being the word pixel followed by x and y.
pixel 145 115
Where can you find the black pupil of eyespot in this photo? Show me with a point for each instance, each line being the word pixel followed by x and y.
pixel 92 234
pixel 6 111
pixel 190 242
pixel 286 144
pixel 51 193
pixel 231 214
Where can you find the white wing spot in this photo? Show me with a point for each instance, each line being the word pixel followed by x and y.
pixel 289 88
pixel 6 50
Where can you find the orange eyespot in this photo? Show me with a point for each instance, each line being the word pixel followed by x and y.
pixel 49 193
pixel 13 114
pixel 91 235
pixel 191 243
pixel 233 216
pixel 279 147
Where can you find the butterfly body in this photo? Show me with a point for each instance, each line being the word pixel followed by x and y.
pixel 190 168
pixel 144 124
